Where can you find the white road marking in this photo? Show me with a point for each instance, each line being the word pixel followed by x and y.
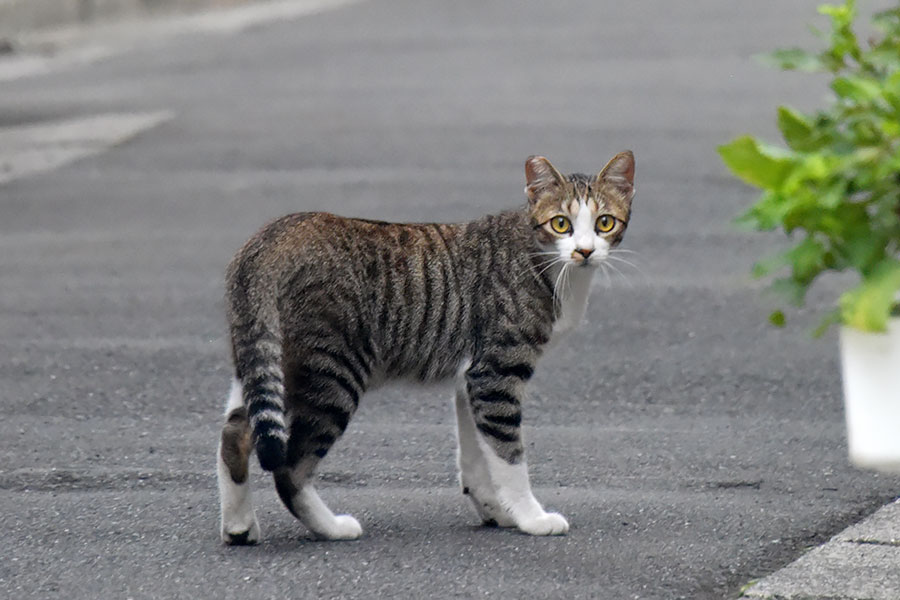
pixel 17 66
pixel 38 147
pixel 251 15
pixel 84 44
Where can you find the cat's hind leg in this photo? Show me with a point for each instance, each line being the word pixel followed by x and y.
pixel 301 498
pixel 238 519
pixel 321 402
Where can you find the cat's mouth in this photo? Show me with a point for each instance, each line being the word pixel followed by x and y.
pixel 583 262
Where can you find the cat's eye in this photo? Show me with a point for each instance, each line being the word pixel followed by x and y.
pixel 605 223
pixel 560 224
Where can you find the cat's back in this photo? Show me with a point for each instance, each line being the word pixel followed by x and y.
pixel 342 244
pixel 399 286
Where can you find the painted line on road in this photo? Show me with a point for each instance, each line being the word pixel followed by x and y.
pixel 33 148
pixel 32 65
pixel 252 15
pixel 80 45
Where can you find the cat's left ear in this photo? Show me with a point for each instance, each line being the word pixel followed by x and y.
pixel 619 173
pixel 541 177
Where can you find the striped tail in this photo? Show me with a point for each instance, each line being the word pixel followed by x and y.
pixel 259 367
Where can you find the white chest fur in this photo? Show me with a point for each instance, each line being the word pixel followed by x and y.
pixel 573 300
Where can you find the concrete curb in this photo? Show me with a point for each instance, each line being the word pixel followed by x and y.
pixel 18 16
pixel 859 563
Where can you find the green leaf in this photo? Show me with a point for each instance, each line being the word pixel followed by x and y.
pixel 864 250
pixel 792 59
pixel 868 306
pixel 833 194
pixel 844 45
pixel 858 89
pixel 756 163
pixel 892 89
pixel 769 265
pixel 812 168
pixel 789 289
pixel 887 21
pixel 832 318
pixel 796 128
pixel 841 14
pixel 838 183
pixel 766 214
pixel 777 318
pixel 807 259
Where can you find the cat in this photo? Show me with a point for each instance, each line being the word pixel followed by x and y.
pixel 323 307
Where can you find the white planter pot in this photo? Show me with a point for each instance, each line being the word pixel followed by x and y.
pixel 871 370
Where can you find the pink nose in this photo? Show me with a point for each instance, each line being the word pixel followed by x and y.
pixel 585 252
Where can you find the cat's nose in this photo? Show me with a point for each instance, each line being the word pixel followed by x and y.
pixel 585 252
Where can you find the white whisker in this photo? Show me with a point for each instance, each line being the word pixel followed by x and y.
pixel 543 261
pixel 557 296
pixel 549 265
pixel 539 266
pixel 603 270
pixel 634 266
pixel 626 262
pixel 620 273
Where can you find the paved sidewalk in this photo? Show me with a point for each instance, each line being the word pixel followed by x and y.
pixel 860 563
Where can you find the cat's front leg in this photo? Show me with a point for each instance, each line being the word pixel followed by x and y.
pixel 492 458
pixel 474 477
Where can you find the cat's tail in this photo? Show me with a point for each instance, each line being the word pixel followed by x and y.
pixel 256 348
pixel 256 345
pixel 259 369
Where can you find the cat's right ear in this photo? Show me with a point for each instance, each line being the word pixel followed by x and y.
pixel 540 177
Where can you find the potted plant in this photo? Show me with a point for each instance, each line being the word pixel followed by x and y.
pixel 835 191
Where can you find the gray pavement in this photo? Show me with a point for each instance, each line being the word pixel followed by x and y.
pixel 693 448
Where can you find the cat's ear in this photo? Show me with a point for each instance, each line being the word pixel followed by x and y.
pixel 619 173
pixel 540 177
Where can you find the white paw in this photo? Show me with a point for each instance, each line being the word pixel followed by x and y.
pixel 237 535
pixel 345 527
pixel 546 524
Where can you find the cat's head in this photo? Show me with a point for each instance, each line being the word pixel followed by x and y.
pixel 581 217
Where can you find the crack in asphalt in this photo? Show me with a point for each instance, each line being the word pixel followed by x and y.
pixel 66 480
pixel 73 480
pixel 868 542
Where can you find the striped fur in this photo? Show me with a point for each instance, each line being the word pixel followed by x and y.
pixel 322 307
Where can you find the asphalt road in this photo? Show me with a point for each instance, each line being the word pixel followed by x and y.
pixel 692 446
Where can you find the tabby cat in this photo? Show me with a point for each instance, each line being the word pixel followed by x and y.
pixel 322 308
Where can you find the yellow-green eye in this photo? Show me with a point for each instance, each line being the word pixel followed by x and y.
pixel 605 223
pixel 560 224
